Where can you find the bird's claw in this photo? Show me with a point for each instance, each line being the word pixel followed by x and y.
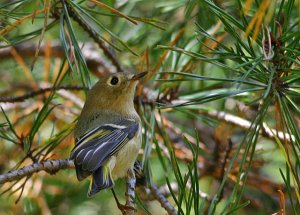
pixel 125 208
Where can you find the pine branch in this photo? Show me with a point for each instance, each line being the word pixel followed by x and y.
pixel 162 199
pixel 14 99
pixel 130 193
pixel 97 64
pixel 245 124
pixel 50 166
pixel 106 50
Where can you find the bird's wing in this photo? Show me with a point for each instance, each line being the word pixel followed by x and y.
pixel 95 146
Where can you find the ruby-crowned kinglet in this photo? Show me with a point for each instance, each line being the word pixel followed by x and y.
pixel 108 132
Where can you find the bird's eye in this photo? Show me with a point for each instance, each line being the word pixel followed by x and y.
pixel 114 81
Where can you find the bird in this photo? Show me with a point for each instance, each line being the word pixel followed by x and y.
pixel 108 133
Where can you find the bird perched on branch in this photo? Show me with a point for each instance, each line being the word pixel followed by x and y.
pixel 108 132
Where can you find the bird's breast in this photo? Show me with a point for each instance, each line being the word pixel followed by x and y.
pixel 127 156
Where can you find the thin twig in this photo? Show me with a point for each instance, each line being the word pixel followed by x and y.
pixel 66 94
pixel 50 166
pixel 96 64
pixel 130 193
pixel 223 168
pixel 155 191
pixel 14 99
pixel 178 132
pixel 106 50
pixel 245 124
pixel 162 200
pixel 145 195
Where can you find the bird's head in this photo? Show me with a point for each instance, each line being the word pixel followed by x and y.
pixel 114 91
pixel 118 84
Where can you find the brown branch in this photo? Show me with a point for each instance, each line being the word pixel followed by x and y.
pixel 94 61
pixel 130 193
pixel 170 125
pixel 65 94
pixel 245 124
pixel 50 166
pixel 162 200
pixel 106 50
pixel 157 193
pixel 13 99
pixel 10 106
pixel 53 166
pixel 223 168
pixel 146 195
pixel 61 90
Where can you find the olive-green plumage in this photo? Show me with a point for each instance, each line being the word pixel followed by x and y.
pixel 108 132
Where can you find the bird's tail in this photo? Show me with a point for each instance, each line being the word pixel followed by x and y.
pixel 101 179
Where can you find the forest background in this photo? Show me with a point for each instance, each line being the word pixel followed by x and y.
pixel 220 103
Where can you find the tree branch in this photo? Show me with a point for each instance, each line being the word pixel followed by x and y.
pixel 130 193
pixel 93 34
pixel 162 200
pixel 97 64
pixel 13 99
pixel 50 166
pixel 245 124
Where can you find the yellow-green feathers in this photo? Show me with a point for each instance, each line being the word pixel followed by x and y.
pixel 96 152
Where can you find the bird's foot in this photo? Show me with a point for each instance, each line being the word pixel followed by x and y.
pixel 126 209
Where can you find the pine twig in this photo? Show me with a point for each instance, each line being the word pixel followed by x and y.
pixel 245 124
pixel 96 64
pixel 162 200
pixel 130 193
pixel 50 166
pixel 155 191
pixel 227 153
pixel 14 99
pixel 93 34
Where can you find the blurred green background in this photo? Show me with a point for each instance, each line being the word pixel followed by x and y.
pixel 216 67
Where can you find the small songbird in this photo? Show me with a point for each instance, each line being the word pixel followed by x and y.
pixel 108 132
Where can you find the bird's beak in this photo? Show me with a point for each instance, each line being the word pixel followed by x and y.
pixel 138 76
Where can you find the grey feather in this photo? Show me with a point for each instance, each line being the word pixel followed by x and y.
pixel 89 155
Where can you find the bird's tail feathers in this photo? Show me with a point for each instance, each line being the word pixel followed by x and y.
pixel 101 179
pixel 82 174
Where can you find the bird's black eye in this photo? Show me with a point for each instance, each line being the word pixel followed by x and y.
pixel 114 81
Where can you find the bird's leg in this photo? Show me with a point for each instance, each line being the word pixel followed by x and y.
pixel 130 190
